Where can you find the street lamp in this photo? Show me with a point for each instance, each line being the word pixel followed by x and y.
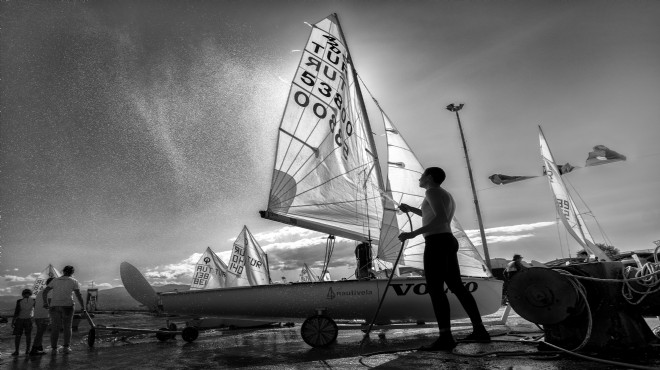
pixel 455 108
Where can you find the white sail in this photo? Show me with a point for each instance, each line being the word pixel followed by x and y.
pixel 403 173
pixel 566 209
pixel 210 272
pixel 326 175
pixel 248 264
pixel 40 283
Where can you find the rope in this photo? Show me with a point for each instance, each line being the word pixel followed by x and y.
pixel 648 276
pixel 583 294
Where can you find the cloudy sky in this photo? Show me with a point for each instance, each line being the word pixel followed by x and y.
pixel 145 131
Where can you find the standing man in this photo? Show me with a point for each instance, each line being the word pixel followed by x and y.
pixel 441 261
pixel 61 307
pixel 41 321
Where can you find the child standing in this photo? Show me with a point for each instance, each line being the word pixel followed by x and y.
pixel 22 320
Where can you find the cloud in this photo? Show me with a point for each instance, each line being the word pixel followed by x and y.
pixel 20 279
pixel 174 273
pixel 288 248
pixel 505 234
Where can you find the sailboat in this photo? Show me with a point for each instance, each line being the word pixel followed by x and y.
pixel 327 177
pixel 210 272
pixel 307 275
pixel 40 282
pixel 566 209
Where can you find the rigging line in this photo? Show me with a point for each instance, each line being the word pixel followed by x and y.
pixel 402 148
pixel 401 168
pixel 591 213
pixel 321 184
pixel 286 153
pixel 292 176
pixel 407 194
pixel 332 220
pixel 332 203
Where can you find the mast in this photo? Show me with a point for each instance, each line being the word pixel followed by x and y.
pixel 455 109
pixel 367 124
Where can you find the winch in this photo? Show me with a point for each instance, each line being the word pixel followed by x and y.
pixel 589 306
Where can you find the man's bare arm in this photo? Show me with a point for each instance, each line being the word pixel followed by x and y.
pixel 80 299
pixel 44 295
pixel 406 208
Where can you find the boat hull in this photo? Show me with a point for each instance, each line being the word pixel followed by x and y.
pixel 406 299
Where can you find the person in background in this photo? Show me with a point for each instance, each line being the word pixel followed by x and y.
pixel 61 307
pixel 41 321
pixel 22 320
pixel 514 267
pixel 441 260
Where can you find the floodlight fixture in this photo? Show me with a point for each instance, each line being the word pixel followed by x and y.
pixel 454 108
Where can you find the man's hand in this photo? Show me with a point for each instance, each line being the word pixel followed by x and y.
pixel 405 236
pixel 404 207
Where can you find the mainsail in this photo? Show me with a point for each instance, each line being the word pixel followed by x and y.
pixel 326 175
pixel 403 173
pixel 40 283
pixel 248 264
pixel 566 209
pixel 210 272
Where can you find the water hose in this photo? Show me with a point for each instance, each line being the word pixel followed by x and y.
pixel 389 280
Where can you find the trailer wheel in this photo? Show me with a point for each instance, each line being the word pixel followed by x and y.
pixel 189 333
pixel 319 331
pixel 91 337
pixel 163 334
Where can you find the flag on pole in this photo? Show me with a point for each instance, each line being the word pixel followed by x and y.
pixel 602 154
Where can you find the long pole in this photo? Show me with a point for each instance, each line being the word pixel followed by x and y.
pixel 455 109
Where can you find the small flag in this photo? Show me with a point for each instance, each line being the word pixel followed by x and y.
pixel 565 168
pixel 602 154
pixel 499 179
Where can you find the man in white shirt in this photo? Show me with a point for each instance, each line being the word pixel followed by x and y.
pixel 61 307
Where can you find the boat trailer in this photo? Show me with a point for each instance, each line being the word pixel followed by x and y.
pixel 189 333
pixel 597 307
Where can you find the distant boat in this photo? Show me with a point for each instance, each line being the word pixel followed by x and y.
pixel 567 211
pixel 307 275
pixel 327 178
pixel 40 282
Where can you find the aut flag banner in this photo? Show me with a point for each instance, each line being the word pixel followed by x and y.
pixel 499 179
pixel 210 272
pixel 40 283
pixel 602 154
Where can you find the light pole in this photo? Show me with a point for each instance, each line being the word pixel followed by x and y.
pixel 455 109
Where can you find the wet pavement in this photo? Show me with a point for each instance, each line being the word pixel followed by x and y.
pixel 513 347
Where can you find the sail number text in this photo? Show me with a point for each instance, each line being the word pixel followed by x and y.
pixel 564 207
pixel 330 97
